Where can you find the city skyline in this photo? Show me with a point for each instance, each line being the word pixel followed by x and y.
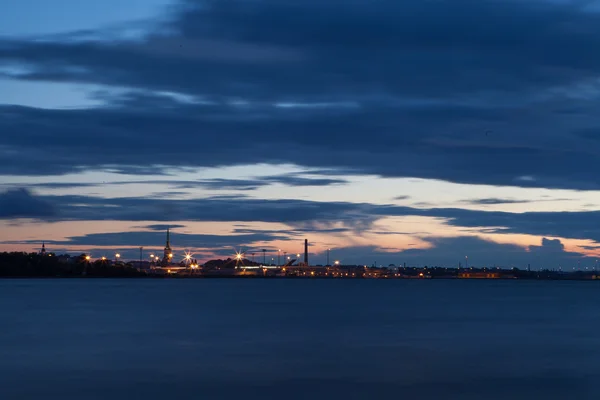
pixel 280 257
pixel 379 130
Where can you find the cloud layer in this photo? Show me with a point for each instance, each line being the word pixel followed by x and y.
pixel 468 91
pixel 303 215
pixel 20 203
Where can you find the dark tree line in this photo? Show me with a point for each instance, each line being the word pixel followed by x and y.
pixel 18 264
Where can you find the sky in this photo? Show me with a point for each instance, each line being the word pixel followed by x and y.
pixel 418 132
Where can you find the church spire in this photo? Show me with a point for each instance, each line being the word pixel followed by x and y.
pixel 43 252
pixel 168 254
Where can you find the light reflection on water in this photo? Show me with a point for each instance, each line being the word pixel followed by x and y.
pixel 298 339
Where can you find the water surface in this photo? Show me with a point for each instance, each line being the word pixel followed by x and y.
pixel 299 339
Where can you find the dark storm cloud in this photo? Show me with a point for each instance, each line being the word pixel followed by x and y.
pixel 302 215
pixel 573 225
pixel 20 203
pixel 211 184
pixel 548 246
pixel 296 231
pixel 589 133
pixel 451 251
pixel 167 195
pixel 162 227
pixel 494 201
pixel 106 127
pixel 291 180
pixel 229 197
pixel 229 184
pixel 157 239
pixel 251 184
pixel 471 91
pixel 56 185
pixel 221 45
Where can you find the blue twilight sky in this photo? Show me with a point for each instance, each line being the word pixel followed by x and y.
pixel 37 17
pixel 414 131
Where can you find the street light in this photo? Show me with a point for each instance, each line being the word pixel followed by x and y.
pixel 117 256
pixel 336 262
pixel 86 265
pixel 238 259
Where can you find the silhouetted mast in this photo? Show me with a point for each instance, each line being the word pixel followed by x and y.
pixel 306 252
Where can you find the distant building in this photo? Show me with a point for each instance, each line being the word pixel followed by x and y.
pixel 43 251
pixel 479 275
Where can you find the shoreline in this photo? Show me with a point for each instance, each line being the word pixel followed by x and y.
pixel 173 277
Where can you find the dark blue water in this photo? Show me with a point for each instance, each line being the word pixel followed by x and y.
pixel 299 339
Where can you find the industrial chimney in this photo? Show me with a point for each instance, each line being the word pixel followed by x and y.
pixel 306 252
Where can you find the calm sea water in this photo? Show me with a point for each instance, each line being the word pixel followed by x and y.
pixel 299 339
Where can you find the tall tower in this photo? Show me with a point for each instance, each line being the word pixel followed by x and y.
pixel 168 254
pixel 306 252
pixel 43 252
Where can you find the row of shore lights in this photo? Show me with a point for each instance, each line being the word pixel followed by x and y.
pixel 188 257
pixel 152 256
pixel 88 257
pixel 157 258
pixel 239 256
